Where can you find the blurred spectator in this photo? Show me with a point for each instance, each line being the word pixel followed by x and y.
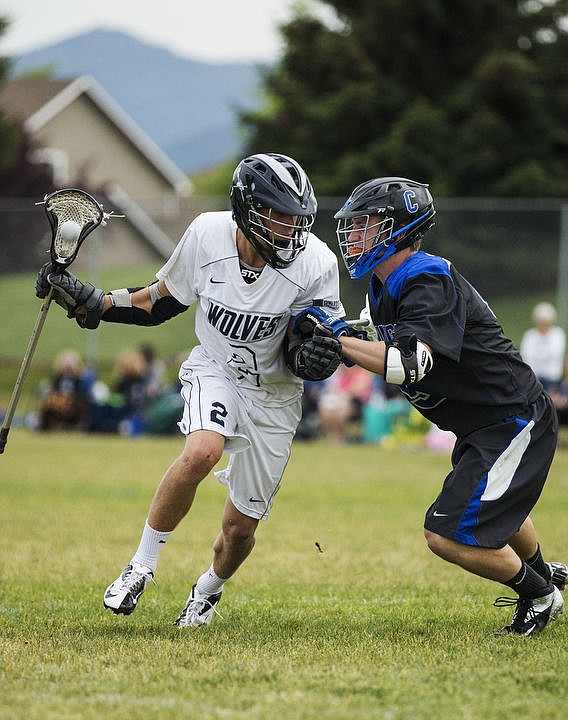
pixel 385 408
pixel 123 410
pixel 543 347
pixel 309 427
pixel 342 400
pixel 65 402
pixel 439 440
pixel 164 413
pixel 155 374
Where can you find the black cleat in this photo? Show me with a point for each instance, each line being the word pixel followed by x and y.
pixel 531 616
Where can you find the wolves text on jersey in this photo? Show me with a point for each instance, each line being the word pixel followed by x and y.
pixel 245 327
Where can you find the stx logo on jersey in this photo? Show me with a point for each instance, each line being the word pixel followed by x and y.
pixel 245 327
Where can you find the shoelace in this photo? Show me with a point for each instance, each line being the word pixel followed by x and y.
pixel 132 577
pixel 525 609
pixel 194 609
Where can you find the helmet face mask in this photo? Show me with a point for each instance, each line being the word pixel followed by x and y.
pixel 276 239
pixel 274 206
pixel 380 218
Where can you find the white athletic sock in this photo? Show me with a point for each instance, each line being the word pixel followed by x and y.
pixel 210 583
pixel 151 544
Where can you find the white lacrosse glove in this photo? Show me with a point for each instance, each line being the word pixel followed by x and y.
pixel 367 322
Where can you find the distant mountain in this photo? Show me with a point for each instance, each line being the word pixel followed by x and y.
pixel 188 108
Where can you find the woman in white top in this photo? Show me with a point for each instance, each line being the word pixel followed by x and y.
pixel 543 346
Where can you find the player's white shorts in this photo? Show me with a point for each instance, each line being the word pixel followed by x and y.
pixel 258 437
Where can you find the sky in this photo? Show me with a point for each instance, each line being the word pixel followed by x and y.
pixel 210 31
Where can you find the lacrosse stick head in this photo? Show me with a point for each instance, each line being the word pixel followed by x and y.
pixel 72 214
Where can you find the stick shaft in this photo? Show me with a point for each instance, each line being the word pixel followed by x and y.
pixel 24 368
pixel 363 322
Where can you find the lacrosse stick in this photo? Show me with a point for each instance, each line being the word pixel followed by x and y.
pixel 364 323
pixel 72 214
pixel 358 322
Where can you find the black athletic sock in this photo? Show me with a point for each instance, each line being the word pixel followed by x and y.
pixel 537 563
pixel 529 584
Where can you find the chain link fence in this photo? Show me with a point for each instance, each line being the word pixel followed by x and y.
pixel 505 247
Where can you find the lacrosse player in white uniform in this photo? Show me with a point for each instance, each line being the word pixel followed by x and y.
pixel 248 272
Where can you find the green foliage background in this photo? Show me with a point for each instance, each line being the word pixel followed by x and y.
pixel 463 95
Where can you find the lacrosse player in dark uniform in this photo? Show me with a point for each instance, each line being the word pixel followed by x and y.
pixel 439 341
pixel 248 272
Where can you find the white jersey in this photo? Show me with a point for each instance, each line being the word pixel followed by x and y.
pixel 241 327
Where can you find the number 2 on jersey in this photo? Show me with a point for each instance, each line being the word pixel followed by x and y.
pixel 218 413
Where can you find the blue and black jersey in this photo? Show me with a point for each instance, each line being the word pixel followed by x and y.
pixel 478 377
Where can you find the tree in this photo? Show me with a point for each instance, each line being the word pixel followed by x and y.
pixel 462 94
pixel 20 177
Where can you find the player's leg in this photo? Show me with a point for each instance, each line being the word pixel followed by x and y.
pixel 498 475
pixel 253 478
pixel 231 548
pixel 210 417
pixel 499 564
pixel 525 544
pixel 235 541
pixel 172 501
pixel 540 600
pixel 176 492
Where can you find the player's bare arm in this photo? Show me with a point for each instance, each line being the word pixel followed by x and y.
pixel 369 355
pixel 150 305
pixel 139 298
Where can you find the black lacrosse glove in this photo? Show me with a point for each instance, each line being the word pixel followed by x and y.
pixel 316 358
pixel 316 320
pixel 43 286
pixel 70 293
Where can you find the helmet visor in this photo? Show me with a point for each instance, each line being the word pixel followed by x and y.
pixel 363 238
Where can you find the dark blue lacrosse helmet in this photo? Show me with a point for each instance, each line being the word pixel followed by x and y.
pixel 275 182
pixel 381 217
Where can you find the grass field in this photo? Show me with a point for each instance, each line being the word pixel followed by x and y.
pixel 372 627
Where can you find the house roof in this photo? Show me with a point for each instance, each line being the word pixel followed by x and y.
pixel 35 101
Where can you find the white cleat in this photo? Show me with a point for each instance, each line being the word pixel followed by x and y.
pixel 198 610
pixel 559 574
pixel 122 596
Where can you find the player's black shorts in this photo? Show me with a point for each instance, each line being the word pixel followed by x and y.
pixel 498 474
